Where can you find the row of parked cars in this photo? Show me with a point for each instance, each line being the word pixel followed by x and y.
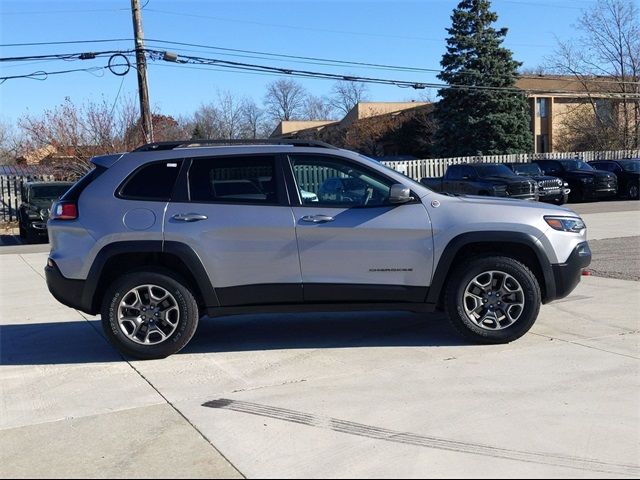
pixel 553 181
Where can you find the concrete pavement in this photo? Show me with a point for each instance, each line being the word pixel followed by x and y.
pixel 322 395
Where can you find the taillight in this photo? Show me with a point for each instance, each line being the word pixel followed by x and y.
pixel 64 211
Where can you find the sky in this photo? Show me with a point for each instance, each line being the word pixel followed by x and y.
pixel 406 33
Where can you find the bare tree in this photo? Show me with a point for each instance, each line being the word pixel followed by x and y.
pixel 318 108
pixel 606 63
pixel 252 119
pixel 230 115
pixel 285 100
pixel 206 123
pixel 9 143
pixel 345 95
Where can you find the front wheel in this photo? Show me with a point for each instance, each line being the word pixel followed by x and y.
pixel 492 299
pixel 633 192
pixel 149 315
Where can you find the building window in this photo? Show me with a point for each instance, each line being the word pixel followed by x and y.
pixel 542 143
pixel 542 107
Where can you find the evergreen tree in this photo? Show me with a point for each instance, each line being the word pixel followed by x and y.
pixel 478 120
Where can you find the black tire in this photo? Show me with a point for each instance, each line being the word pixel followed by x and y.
pixel 467 271
pixel 23 232
pixel 176 341
pixel 560 201
pixel 633 191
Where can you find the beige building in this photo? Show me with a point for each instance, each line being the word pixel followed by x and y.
pixel 554 99
pixel 361 111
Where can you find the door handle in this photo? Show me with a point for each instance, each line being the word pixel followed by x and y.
pixel 189 217
pixel 317 218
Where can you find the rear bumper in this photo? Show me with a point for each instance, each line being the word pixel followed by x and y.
pixel 67 291
pixel 567 275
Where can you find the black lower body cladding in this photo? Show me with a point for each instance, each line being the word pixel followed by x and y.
pixel 567 275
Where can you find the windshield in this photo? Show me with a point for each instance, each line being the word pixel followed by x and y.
pixel 493 171
pixel 575 165
pixel 631 165
pixel 49 191
pixel 527 169
pixel 410 181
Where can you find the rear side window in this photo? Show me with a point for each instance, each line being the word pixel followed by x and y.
pixel 233 180
pixel 74 192
pixel 152 182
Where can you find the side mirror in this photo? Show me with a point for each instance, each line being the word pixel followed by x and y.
pixel 400 194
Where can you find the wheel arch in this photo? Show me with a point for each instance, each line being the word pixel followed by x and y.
pixel 520 246
pixel 172 258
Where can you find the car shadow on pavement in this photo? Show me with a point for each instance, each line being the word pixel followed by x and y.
pixel 81 342
pixel 316 330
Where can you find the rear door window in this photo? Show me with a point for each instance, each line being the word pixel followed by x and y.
pixel 241 179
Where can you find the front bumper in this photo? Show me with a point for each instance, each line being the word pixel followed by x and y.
pixel 567 275
pixel 67 291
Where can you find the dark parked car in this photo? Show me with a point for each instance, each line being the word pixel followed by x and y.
pixel 585 182
pixel 33 213
pixel 626 171
pixel 550 189
pixel 490 179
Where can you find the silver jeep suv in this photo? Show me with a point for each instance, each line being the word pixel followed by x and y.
pixel 156 238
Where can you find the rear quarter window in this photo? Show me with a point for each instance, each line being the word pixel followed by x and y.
pixel 151 182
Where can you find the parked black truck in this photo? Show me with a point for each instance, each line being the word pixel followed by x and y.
pixel 33 213
pixel 585 182
pixel 550 189
pixel 626 171
pixel 491 179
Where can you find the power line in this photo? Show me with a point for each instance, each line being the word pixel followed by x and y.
pixel 42 75
pixel 157 55
pixel 69 42
pixel 65 56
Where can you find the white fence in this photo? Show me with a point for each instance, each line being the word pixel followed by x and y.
pixel 435 167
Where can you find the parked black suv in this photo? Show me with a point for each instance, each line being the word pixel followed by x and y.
pixel 626 171
pixel 585 182
pixel 550 189
pixel 33 213
pixel 492 179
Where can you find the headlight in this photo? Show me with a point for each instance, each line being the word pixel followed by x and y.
pixel 565 224
pixel 44 213
pixel 541 184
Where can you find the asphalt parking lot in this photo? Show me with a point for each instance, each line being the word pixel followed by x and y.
pixel 330 395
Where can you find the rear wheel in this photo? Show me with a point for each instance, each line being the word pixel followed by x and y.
pixel 149 315
pixel 633 192
pixel 492 299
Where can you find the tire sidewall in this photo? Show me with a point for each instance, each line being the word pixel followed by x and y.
pixel 178 339
pixel 455 299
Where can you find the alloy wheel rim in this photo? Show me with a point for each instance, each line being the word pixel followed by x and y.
pixel 493 300
pixel 633 192
pixel 148 314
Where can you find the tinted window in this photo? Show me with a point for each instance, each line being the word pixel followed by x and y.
pixel 575 165
pixel 152 182
pixel 526 169
pixel 455 172
pixel 49 191
pixel 631 165
pixel 494 170
pixel 233 179
pixel 333 182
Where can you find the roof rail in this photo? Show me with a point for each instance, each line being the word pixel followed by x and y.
pixel 157 146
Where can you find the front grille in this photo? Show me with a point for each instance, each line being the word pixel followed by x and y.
pixel 550 185
pixel 604 183
pixel 520 189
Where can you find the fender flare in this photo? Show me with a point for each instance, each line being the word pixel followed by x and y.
pixel 185 253
pixel 456 244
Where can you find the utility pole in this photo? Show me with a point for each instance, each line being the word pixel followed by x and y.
pixel 141 65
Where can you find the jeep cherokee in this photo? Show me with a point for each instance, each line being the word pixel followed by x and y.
pixel 157 238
